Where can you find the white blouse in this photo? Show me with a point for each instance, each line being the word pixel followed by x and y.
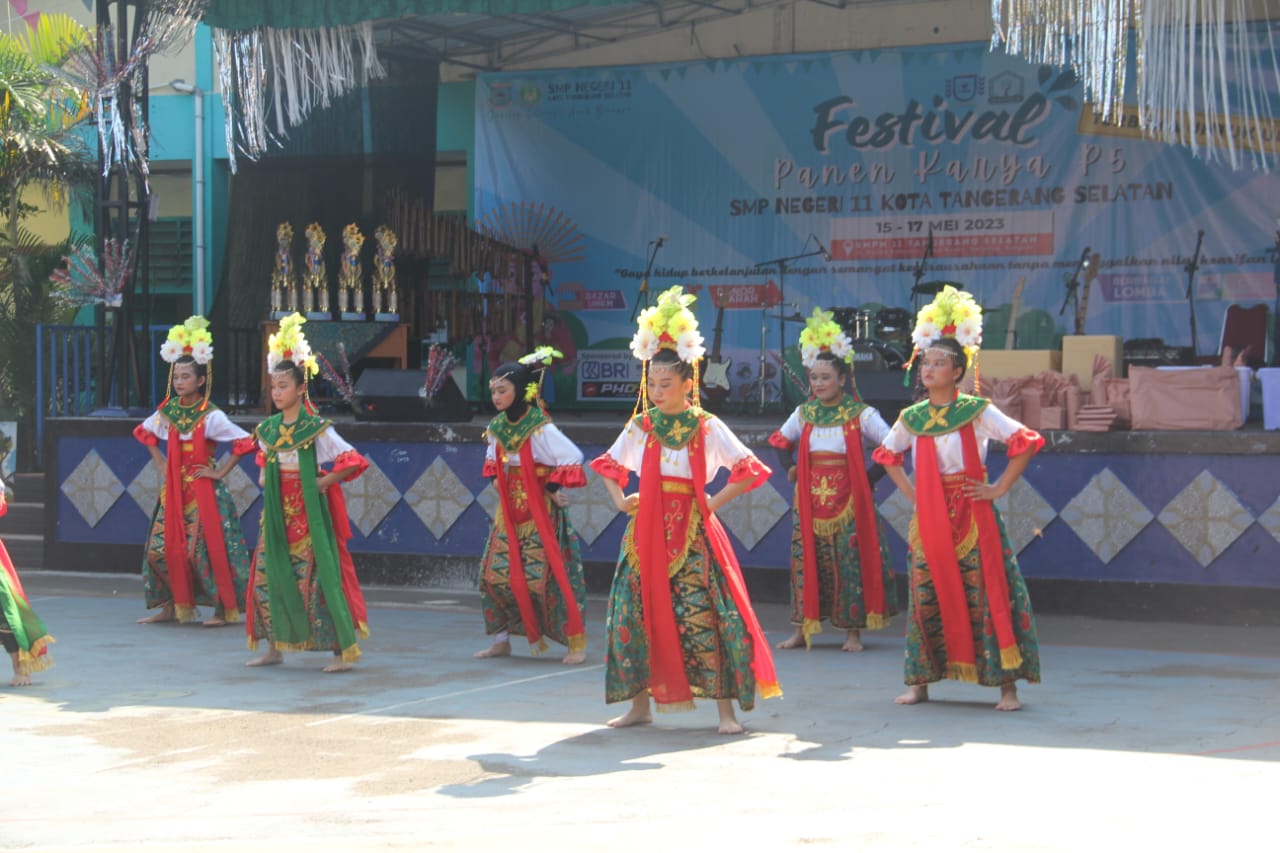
pixel 217 427
pixel 830 439
pixel 551 447
pixel 329 446
pixel 722 449
pixel 992 424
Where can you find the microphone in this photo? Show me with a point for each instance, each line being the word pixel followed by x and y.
pixel 662 239
pixel 1084 256
pixel 826 256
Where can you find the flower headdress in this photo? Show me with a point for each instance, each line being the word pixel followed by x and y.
pixel 952 314
pixel 190 339
pixel 290 344
pixel 668 325
pixel 538 360
pixel 823 334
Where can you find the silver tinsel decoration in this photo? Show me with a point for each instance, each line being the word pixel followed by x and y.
pixel 1202 69
pixel 277 77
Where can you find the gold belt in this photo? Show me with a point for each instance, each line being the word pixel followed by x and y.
pixel 679 487
pixel 827 459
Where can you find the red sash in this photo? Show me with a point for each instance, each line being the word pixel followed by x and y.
pixel 515 566
pixel 178 552
pixel 350 583
pixel 574 631
pixel 937 539
pixel 868 533
pixel 668 681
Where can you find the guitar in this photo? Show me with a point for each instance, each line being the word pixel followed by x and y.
pixel 1011 333
pixel 1082 307
pixel 715 369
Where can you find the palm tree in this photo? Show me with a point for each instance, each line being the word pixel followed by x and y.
pixel 42 145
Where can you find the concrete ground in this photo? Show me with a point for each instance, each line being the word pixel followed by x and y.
pixel 1144 736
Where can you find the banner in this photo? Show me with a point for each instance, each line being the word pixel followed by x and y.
pixel 778 184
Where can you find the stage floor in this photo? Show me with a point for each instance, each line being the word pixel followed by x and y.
pixel 1143 736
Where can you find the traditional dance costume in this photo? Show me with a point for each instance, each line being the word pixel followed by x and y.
pixel 21 630
pixel 680 622
pixel 840 566
pixel 196 553
pixel 536 589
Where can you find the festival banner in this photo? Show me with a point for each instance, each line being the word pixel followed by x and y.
pixel 775 185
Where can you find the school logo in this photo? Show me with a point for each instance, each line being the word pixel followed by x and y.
pixel 965 87
pixel 499 95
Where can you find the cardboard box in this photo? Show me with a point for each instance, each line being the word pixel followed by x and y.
pixel 1270 379
pixel 1246 385
pixel 1205 399
pixel 1012 363
pixel 1078 352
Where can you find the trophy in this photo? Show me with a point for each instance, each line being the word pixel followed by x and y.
pixel 351 276
pixel 283 300
pixel 315 286
pixel 384 276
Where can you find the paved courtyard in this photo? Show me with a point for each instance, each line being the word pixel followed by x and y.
pixel 1144 736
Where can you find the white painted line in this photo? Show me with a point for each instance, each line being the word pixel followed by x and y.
pixel 424 700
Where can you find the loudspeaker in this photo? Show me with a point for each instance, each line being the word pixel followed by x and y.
pixel 397 395
pixel 884 390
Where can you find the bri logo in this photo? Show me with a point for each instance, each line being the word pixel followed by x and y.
pixel 1011 117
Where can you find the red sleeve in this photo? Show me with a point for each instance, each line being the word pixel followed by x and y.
pixel 607 467
pixel 569 476
pixel 1023 441
pixel 888 458
pixel 780 441
pixel 146 436
pixel 350 464
pixel 751 469
pixel 490 469
pixel 260 458
pixel 244 446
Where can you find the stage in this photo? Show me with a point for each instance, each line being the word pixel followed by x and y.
pixel 1117 520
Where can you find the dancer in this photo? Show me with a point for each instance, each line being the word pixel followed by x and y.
pixel 680 624
pixel 536 588
pixel 196 554
pixel 303 591
pixel 969 617
pixel 21 632
pixel 840 567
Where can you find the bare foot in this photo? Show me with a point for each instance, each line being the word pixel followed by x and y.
pixel 215 622
pixel 165 615
pixel 574 658
pixel 338 665
pixel 795 641
pixel 271 657
pixel 497 650
pixel 20 679
pixel 915 694
pixel 639 715
pixel 853 642
pixel 1009 698
pixel 729 724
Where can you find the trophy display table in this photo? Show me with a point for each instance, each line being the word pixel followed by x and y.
pixel 362 339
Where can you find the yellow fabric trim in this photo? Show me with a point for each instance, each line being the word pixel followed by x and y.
pixel 832 526
pixel 772 690
pixel 674 707
pixel 578 643
pixel 1010 658
pixel 252 643
pixel 808 628
pixel 629 541
pixel 538 647
pixel 33 661
pixel 877 621
pixel 363 629
pixel 232 615
pixel 963 672
pixel 185 613
pixel 824 459
pixel 351 653
pixel 963 547
pixel 677 488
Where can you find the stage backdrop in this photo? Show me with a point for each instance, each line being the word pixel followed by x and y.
pixel 736 162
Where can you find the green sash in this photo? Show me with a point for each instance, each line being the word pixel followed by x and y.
pixel 821 415
pixel 924 418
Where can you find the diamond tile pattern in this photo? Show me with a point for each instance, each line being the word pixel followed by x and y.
pixel 590 509
pixel 1106 515
pixel 439 497
pixel 145 488
pixel 897 510
pixel 243 488
pixel 371 496
pixel 1026 513
pixel 93 488
pixel 489 500
pixel 1206 517
pixel 1270 520
pixel 754 514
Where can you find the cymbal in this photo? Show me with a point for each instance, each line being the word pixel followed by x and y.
pixel 787 318
pixel 932 288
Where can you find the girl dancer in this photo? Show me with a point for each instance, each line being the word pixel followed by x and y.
pixel 21 631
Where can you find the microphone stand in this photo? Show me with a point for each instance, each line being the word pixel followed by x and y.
pixel 918 273
pixel 1073 284
pixel 1275 309
pixel 1191 267
pixel 642 300
pixel 781 263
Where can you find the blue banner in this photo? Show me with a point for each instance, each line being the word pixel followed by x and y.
pixel 858 162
